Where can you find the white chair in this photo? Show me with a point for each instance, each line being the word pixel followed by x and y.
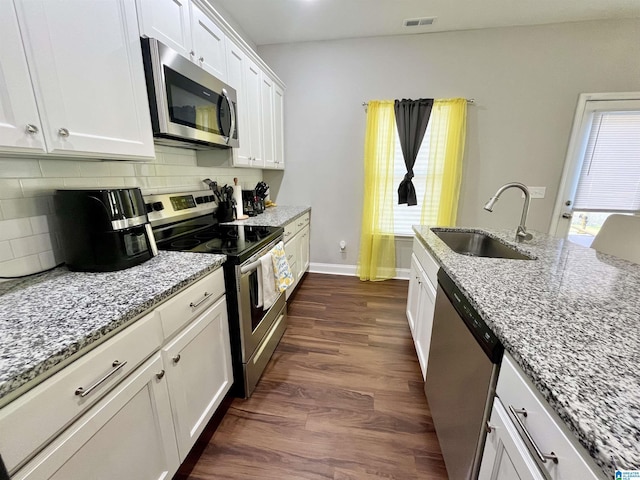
pixel 620 236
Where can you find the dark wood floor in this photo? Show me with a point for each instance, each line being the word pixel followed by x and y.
pixel 342 397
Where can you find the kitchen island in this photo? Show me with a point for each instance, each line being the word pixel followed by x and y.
pixel 570 318
pixel 50 319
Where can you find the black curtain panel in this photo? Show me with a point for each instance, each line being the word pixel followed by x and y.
pixel 412 117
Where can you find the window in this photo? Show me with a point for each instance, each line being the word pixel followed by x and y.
pixel 403 215
pixel 609 178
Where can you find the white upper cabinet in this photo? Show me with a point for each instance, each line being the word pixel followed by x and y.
pixel 253 80
pixel 278 126
pixel 208 44
pixel 168 21
pixel 86 68
pixel 268 144
pixel 20 127
pixel 184 27
pixel 236 66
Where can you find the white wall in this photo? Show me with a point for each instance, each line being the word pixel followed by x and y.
pixel 28 239
pixel 525 80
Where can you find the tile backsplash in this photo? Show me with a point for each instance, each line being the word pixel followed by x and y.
pixel 29 242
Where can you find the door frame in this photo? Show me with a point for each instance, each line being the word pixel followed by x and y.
pixel 575 153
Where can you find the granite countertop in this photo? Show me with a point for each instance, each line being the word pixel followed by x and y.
pixel 47 318
pixel 274 216
pixel 571 320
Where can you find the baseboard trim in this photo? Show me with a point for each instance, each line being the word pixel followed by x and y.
pixel 349 270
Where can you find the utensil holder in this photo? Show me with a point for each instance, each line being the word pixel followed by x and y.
pixel 225 212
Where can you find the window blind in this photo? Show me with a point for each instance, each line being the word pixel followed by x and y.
pixel 403 215
pixel 610 175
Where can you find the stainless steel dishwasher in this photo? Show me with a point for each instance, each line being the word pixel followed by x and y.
pixel 464 359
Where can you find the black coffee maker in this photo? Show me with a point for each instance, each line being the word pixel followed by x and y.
pixel 104 230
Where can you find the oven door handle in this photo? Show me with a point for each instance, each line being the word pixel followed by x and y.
pixel 250 267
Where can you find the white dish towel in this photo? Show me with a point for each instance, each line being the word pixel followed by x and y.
pixel 267 277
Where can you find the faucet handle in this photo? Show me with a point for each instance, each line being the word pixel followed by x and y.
pixel 522 235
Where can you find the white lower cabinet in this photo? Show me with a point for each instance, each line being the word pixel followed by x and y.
pixel 421 301
pixel 198 366
pixel 129 434
pixel 297 247
pixel 505 455
pixel 523 427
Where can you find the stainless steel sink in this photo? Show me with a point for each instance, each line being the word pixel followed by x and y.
pixel 477 244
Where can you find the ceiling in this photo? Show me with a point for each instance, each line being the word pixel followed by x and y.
pixel 285 21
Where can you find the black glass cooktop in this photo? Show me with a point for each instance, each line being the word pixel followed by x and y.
pixel 238 242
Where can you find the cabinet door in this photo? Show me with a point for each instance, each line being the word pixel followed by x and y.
pixel 292 251
pixel 236 67
pixel 253 79
pixel 199 372
pixel 128 434
pixel 169 22
pixel 424 321
pixel 505 456
pixel 208 44
pixel 413 297
pixel 304 247
pixel 278 126
pixel 268 145
pixel 20 128
pixel 86 66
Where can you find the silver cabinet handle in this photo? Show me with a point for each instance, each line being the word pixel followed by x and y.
pixel 201 59
pixel 489 428
pixel 63 132
pixel 567 215
pixel 192 53
pixel 176 358
pixel 32 129
pixel 301 224
pixel 116 367
pixel 198 303
pixel 542 456
pixel 160 374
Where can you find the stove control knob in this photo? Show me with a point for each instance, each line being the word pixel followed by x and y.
pixel 149 207
pixel 157 206
pixel 200 200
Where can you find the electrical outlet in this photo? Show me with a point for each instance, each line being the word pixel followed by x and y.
pixel 536 192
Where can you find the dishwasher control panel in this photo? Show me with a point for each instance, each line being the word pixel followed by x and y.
pixel 472 319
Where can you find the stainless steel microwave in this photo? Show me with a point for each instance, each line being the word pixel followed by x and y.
pixel 189 106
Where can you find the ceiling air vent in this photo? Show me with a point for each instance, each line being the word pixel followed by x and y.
pixel 419 22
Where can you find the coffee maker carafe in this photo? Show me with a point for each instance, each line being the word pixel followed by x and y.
pixel 104 230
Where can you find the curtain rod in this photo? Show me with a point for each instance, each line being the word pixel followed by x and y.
pixel 470 101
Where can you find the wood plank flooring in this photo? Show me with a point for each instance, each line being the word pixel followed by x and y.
pixel 341 399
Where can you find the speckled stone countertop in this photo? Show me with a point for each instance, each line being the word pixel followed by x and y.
pixel 274 216
pixel 571 320
pixel 47 318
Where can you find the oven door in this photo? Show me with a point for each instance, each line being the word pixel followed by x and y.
pixel 255 322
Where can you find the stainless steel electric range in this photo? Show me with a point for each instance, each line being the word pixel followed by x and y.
pixel 186 222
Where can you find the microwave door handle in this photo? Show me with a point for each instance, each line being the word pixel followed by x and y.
pixel 232 113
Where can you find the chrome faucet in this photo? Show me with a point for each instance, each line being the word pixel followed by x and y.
pixel 521 232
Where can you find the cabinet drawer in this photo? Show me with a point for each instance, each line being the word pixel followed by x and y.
pixel 546 430
pixel 191 302
pixel 301 221
pixel 34 418
pixel 289 231
pixel 428 263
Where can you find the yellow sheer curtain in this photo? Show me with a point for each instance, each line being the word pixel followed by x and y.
pixel 377 260
pixel 448 124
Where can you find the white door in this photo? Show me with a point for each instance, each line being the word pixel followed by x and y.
pixel 20 128
pixel 128 434
pixel 198 364
pixel 268 145
pixel 208 44
pixel 254 111
pixel 169 22
pixel 86 66
pixel 424 321
pixel 236 67
pixel 602 167
pixel 278 126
